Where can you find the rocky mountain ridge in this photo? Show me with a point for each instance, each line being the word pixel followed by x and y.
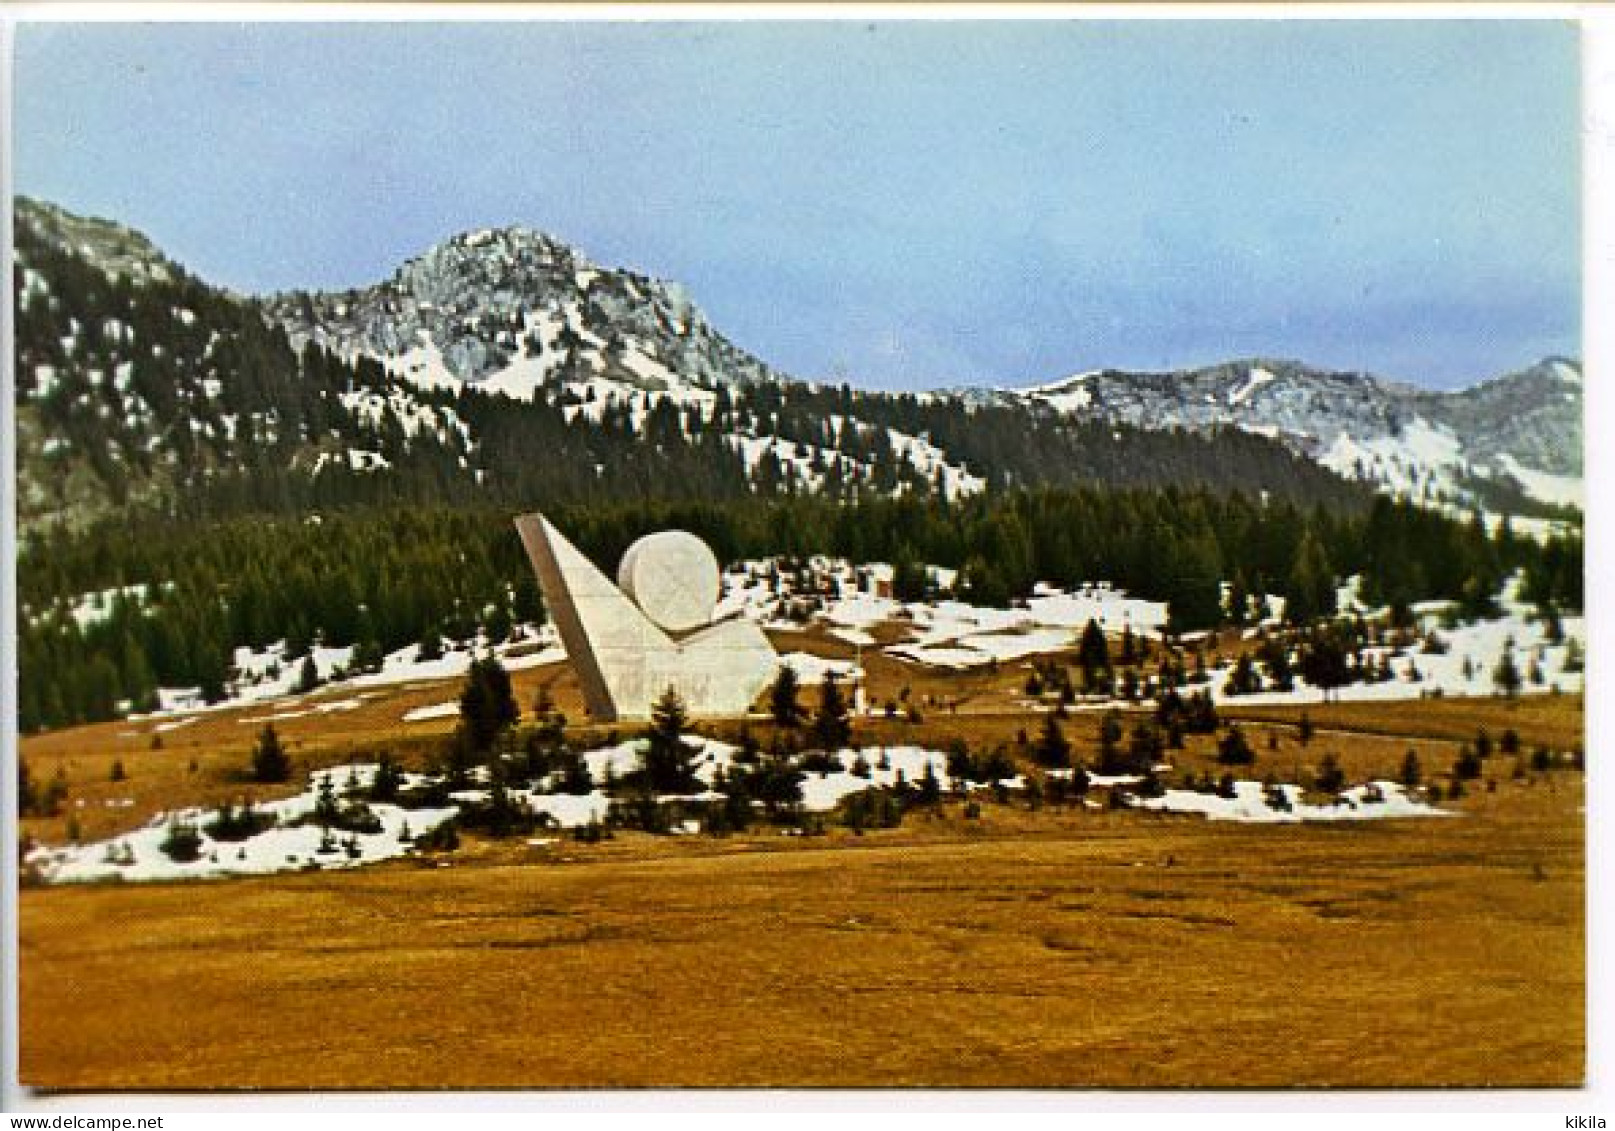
pixel 1519 432
pixel 131 372
pixel 513 308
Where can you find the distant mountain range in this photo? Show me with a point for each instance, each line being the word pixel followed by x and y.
pixel 500 350
pixel 1522 430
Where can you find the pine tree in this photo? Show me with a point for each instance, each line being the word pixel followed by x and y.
pixel 1146 746
pixel 1110 737
pixel 1233 749
pixel 1331 778
pixel 388 780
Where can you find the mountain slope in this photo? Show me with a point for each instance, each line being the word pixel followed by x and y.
pixel 1505 443
pixel 497 368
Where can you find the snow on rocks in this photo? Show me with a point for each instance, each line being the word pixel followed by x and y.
pixel 1258 377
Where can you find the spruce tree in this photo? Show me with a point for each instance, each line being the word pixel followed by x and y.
pixel 1093 656
pixel 270 762
pixel 308 676
pixel 1310 593
pixel 782 701
pixel 831 727
pixel 487 705
pixel 1507 675
pixel 668 759
pixel 1411 773
pixel 1052 751
pixel 1331 778
pixel 1110 737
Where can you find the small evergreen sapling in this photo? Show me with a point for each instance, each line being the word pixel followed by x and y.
pixel 1331 778
pixel 1233 749
pixel 270 762
pixel 1053 750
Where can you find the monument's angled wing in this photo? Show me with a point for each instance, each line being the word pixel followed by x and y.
pixel 605 634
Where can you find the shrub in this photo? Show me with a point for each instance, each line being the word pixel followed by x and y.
pixel 1275 796
pixel 1234 750
pixel 231 824
pixel 1331 778
pixel 443 838
pixel 183 843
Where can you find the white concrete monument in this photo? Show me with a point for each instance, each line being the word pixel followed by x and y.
pixel 653 630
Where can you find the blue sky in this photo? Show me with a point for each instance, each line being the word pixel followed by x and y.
pixel 898 205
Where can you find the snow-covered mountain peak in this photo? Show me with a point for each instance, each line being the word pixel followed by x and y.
pixel 516 307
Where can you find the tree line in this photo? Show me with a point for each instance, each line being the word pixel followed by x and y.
pixel 385 579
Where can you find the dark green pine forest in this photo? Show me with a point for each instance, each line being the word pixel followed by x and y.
pixel 170 437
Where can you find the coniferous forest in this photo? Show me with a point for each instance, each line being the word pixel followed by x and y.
pixel 382 578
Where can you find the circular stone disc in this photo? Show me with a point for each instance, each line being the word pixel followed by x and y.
pixel 673 577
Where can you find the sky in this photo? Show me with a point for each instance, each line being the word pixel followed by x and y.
pixel 898 205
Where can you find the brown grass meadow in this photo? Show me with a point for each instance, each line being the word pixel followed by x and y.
pixel 1069 948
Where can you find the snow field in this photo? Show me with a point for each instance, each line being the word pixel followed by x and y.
pixel 1250 805
pixel 139 856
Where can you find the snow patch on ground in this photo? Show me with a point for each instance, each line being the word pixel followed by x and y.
pixel 435 711
pixel 1373 801
pixel 283 848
